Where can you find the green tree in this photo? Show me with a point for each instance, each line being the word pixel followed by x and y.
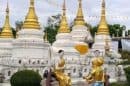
pixel 52 27
pixel 14 32
pixel 25 78
pixel 51 33
pixel 116 30
pixel 93 30
pixel 18 25
pixel 128 32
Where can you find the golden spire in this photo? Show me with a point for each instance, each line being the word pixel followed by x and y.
pixel 64 28
pixel 31 20
pixel 103 27
pixel 80 18
pixel 6 31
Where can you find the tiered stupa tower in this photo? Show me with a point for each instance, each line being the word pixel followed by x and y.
pixel 64 42
pixel 30 51
pixel 6 39
pixel 80 33
pixel 103 44
pixel 102 33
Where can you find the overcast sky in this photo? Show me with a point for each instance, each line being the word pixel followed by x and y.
pixel 118 11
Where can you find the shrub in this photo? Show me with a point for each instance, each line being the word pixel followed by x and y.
pixel 125 55
pixel 119 84
pixel 125 63
pixel 127 71
pixel 25 78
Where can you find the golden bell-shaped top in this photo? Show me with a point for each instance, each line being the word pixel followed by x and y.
pixel 79 18
pixel 103 27
pixel 31 20
pixel 6 31
pixel 64 28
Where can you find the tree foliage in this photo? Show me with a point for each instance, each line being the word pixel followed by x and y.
pixel 125 55
pixel 18 25
pixel 51 33
pixel 52 27
pixel 116 29
pixel 93 30
pixel 25 78
pixel 119 84
pixel 14 32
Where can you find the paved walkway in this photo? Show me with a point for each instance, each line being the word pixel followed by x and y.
pixel 5 84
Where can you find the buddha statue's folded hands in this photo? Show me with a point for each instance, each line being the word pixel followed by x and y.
pixel 97 73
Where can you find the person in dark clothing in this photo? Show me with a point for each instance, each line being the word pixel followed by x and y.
pixel 106 77
pixel 45 74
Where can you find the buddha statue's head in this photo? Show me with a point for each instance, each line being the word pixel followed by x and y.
pixel 62 61
pixel 61 53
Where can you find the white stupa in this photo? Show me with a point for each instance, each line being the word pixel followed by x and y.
pixel 80 33
pixel 103 44
pixel 64 42
pixel 29 49
pixel 102 36
pixel 6 39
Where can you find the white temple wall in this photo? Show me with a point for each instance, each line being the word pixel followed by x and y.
pixel 30 53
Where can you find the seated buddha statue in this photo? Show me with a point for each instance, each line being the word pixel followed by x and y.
pixel 63 79
pixel 96 76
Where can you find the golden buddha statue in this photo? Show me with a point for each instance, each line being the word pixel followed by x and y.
pixel 96 76
pixel 63 79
